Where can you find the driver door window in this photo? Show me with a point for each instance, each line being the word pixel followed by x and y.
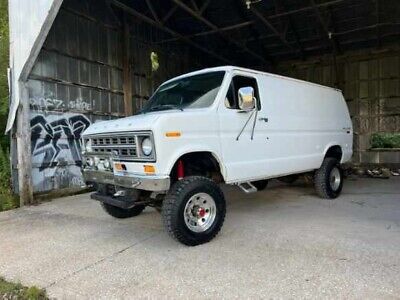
pixel 238 82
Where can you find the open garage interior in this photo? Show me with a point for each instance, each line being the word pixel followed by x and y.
pixel 101 60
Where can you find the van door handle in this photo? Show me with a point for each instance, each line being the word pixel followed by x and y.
pixel 263 119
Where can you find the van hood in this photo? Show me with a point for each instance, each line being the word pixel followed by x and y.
pixel 133 123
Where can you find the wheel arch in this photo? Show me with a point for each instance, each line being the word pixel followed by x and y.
pixel 334 150
pixel 199 153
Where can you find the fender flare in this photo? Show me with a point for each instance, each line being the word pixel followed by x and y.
pixel 330 145
pixel 183 152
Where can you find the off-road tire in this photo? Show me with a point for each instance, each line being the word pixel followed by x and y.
pixel 121 213
pixel 260 184
pixel 289 179
pixel 174 206
pixel 322 179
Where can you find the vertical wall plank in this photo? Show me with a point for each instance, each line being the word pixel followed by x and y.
pixel 127 71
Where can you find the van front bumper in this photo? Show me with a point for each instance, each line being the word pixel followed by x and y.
pixel 154 183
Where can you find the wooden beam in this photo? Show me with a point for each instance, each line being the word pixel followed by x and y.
pixel 127 68
pixel 370 27
pixel 164 28
pixel 328 33
pixel 212 31
pixel 204 7
pixel 194 4
pixel 378 20
pixel 348 42
pixel 248 23
pixel 237 5
pixel 277 9
pixel 307 8
pixel 199 17
pixel 24 156
pixel 270 46
pixel 169 14
pixel 270 27
pixel 152 10
pixel 294 30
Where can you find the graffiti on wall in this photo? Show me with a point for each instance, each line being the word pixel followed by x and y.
pixel 47 138
pixel 56 149
pixel 46 104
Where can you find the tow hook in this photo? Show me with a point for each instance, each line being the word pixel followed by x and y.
pixel 120 193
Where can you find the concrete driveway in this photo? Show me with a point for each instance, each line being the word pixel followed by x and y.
pixel 284 242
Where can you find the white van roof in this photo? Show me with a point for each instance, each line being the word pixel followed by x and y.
pixel 232 68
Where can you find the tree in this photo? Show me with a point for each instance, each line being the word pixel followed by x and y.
pixel 4 61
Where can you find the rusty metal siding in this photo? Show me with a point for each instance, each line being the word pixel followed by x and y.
pixel 371 85
pixel 78 79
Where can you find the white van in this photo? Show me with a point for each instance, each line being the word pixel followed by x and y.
pixel 220 125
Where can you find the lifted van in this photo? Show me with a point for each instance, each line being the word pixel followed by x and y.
pixel 221 125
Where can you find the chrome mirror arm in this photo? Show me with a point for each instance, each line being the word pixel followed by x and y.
pixel 255 118
pixel 244 127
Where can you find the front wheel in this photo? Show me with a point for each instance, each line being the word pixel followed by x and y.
pixel 194 210
pixel 328 179
pixel 121 213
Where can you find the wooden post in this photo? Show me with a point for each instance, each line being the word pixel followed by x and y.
pixel 127 69
pixel 24 148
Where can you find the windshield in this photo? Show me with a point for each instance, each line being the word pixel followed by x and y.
pixel 196 91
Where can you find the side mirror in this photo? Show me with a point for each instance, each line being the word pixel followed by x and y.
pixel 247 102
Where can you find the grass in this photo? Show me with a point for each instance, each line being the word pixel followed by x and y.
pixel 8 200
pixel 16 291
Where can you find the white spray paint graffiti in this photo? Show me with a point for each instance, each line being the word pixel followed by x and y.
pixel 77 181
pixel 80 105
pixel 46 104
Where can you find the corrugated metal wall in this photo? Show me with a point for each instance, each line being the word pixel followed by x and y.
pixel 370 81
pixel 78 80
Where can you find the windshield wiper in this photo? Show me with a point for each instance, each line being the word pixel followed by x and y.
pixel 164 106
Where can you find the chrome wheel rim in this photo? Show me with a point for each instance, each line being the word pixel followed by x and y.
pixel 200 212
pixel 335 179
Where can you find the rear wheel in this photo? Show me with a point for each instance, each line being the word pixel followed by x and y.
pixel 328 179
pixel 260 184
pixel 194 210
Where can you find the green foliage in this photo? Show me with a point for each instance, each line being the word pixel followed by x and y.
pixel 385 140
pixel 4 61
pixel 17 291
pixel 7 199
pixel 154 61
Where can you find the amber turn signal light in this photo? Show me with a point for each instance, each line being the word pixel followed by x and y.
pixel 120 167
pixel 173 134
pixel 149 169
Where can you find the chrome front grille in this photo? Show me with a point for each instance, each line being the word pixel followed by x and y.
pixel 122 147
pixel 111 141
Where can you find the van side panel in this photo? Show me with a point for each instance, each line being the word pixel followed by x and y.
pixel 304 120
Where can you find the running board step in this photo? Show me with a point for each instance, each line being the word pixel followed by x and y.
pixel 247 187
